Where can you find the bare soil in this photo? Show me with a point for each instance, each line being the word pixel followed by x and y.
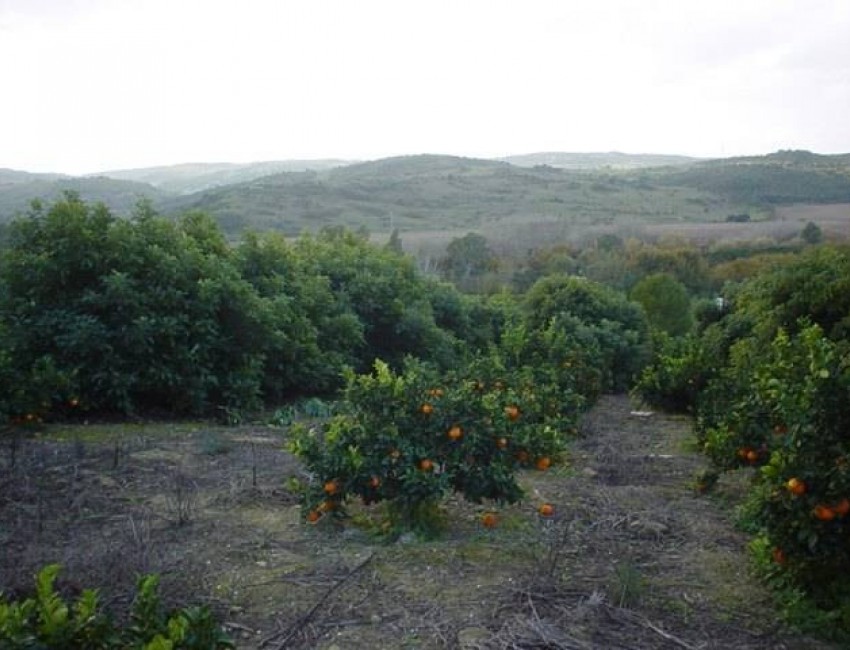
pixel 632 558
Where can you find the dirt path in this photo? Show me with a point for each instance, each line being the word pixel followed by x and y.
pixel 633 559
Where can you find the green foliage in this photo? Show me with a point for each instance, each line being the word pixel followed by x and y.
pixel 99 314
pixel 666 302
pixel 612 330
pixel 48 621
pixel 811 233
pixel 678 372
pixel 772 379
pixel 410 438
pixel 467 257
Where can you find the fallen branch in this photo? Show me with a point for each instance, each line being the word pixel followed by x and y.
pixel 293 629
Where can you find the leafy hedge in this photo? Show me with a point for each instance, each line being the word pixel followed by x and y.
pixel 147 314
pixel 769 383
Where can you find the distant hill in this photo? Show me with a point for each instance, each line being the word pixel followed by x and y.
pixel 432 192
pixel 779 178
pixel 597 160
pixel 14 176
pixel 120 196
pixel 188 178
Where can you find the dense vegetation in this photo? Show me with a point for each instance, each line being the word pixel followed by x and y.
pixel 440 391
pixel 768 380
pixel 109 315
pixel 422 194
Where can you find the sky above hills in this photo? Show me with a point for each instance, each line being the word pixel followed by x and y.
pixel 91 85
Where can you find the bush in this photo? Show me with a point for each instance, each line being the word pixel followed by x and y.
pixel 410 438
pixel 47 621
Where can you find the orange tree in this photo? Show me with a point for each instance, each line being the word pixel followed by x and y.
pixel 792 425
pixel 410 438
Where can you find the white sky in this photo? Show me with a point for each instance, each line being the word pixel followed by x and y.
pixel 91 85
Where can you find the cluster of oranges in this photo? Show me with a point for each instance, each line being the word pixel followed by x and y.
pixel 491 519
pixel 821 511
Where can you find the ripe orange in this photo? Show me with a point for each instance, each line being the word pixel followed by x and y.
pixel 331 487
pixel 73 402
pixel 374 481
pixel 426 465
pixel 795 486
pixel 489 520
pixel 543 463
pixel 752 456
pixel 502 443
pixel 426 409
pixel 842 507
pixel 436 392
pixel 779 555
pixel 743 451
pixel 823 513
pixel 455 433
pixel 326 506
pixel 546 510
pixel 512 412
pixel 313 516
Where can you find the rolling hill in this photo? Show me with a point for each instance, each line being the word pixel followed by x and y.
pixel 120 196
pixel 441 196
pixel 447 193
pixel 188 178
pixel 597 160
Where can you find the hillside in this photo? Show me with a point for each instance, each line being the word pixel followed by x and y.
pixel 188 178
pixel 780 178
pixel 429 192
pixel 14 176
pixel 450 194
pixel 597 160
pixel 120 196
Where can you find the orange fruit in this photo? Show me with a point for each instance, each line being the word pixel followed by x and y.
pixel 331 487
pixel 502 443
pixel 313 516
pixel 374 481
pixel 543 463
pixel 842 507
pixel 743 451
pixel 326 506
pixel 426 409
pixel 795 486
pixel 779 555
pixel 455 433
pixel 752 456
pixel 512 412
pixel 489 520
pixel 73 402
pixel 426 465
pixel 823 513
pixel 546 510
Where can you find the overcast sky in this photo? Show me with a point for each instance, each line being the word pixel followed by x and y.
pixel 91 85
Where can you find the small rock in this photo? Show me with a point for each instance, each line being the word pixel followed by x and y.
pixel 589 472
pixel 375 619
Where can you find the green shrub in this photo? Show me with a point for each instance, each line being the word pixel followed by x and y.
pixel 410 438
pixel 47 621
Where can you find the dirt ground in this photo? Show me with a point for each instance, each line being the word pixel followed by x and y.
pixel 632 558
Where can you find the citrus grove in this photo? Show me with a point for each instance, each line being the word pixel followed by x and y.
pixel 436 392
